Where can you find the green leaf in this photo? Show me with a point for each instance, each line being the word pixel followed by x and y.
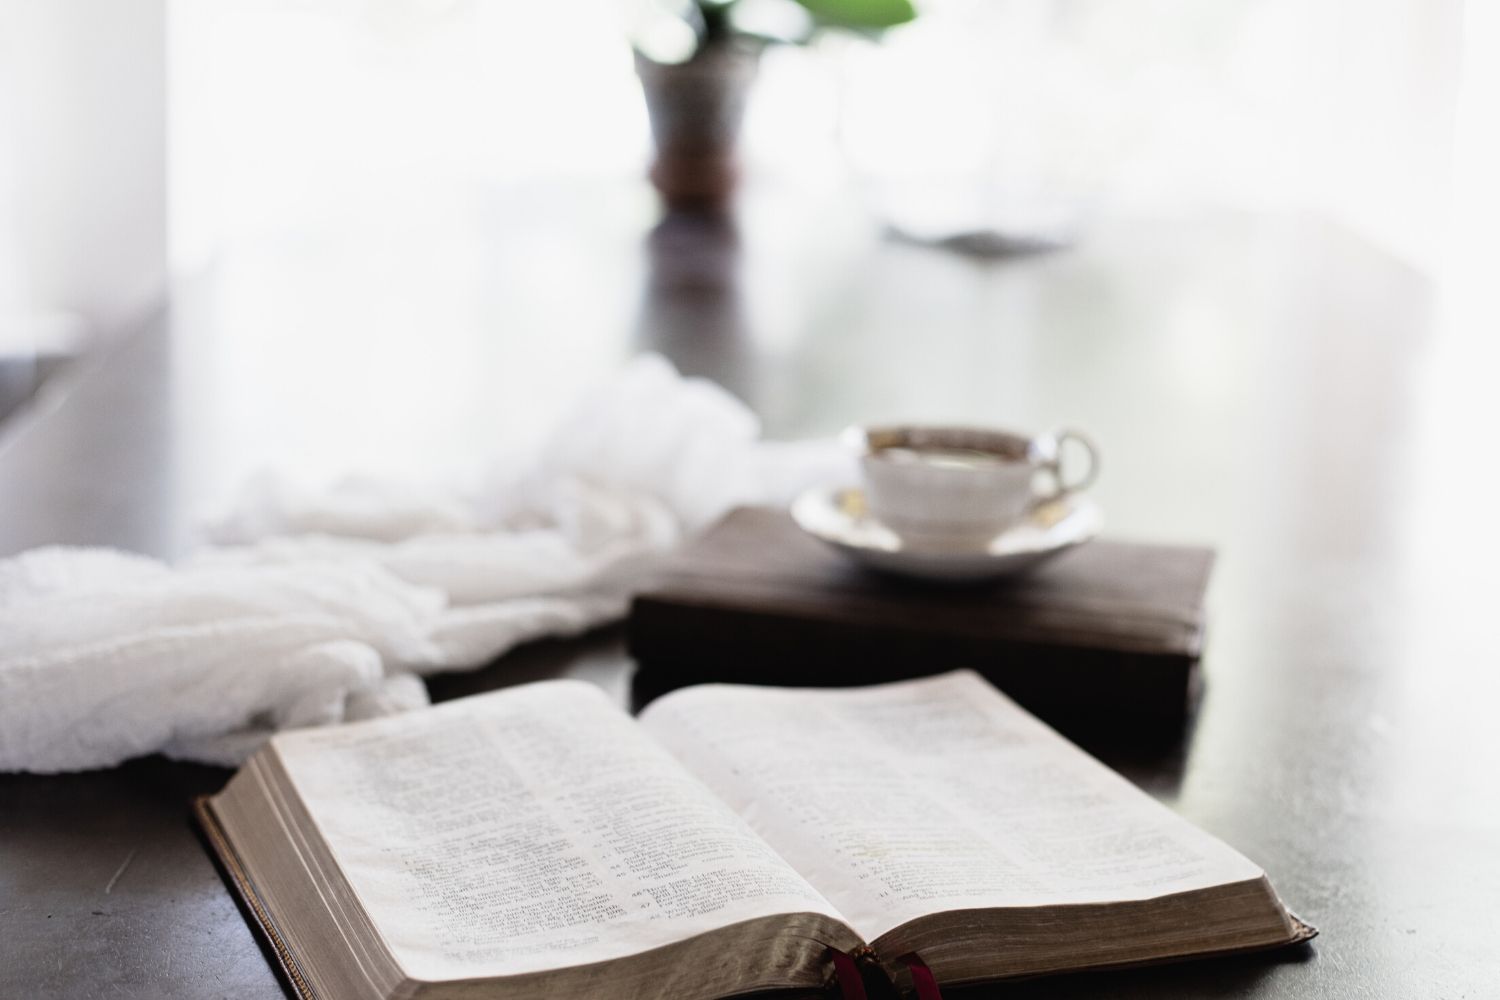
pixel 860 14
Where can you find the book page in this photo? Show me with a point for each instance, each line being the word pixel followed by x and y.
pixel 908 799
pixel 529 829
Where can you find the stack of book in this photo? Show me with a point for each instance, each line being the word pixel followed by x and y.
pixel 1105 639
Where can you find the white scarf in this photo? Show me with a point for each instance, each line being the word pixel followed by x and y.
pixel 309 609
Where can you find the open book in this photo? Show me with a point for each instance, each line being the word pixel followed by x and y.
pixel 539 842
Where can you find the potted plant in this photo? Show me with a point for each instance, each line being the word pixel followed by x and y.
pixel 696 60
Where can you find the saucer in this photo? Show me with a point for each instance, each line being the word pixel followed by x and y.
pixel 839 517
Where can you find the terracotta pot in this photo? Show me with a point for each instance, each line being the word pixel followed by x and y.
pixel 696 108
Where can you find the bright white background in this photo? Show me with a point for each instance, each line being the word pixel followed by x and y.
pixel 284 111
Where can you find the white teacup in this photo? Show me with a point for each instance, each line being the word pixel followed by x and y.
pixel 962 482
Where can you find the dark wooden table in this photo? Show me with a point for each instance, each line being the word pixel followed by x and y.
pixel 1273 386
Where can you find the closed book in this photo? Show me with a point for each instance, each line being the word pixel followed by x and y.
pixel 1102 640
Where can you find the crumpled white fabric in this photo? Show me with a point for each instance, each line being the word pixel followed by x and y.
pixel 313 608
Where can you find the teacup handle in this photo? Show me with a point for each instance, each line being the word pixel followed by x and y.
pixel 1052 464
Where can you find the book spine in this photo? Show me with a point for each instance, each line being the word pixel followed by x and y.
pixel 1080 690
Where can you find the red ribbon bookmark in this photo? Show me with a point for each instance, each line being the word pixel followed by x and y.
pixel 851 983
pixel 921 977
